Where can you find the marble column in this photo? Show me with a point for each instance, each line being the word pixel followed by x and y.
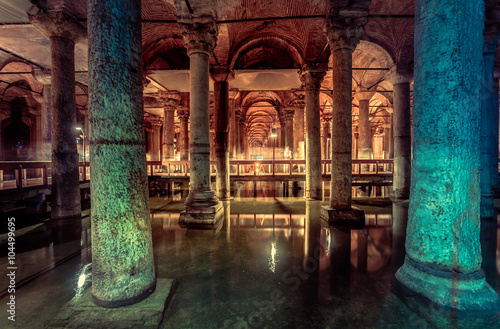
pixel 170 100
pixel 289 113
pixel 183 115
pixel 489 130
pixel 343 36
pixel 64 31
pixel 123 269
pixel 391 149
pixel 232 124
pixel 221 77
pixel 282 131
pixel 443 253
pixel 202 206
pixel 365 135
pixel 311 76
pixel 402 134
pixel 387 140
pixel 298 124
pixel 242 138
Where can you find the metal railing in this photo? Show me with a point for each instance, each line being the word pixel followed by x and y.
pixel 21 174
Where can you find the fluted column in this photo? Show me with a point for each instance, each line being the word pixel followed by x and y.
pixel 343 35
pixel 170 100
pixel 183 115
pixel 64 31
pixel 221 77
pixel 443 253
pixel 298 124
pixel 311 76
pixel 123 269
pixel 202 206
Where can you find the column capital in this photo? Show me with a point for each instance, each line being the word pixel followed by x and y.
pixel 299 98
pixel 221 73
pixel 183 113
pixel 311 75
pixel 344 27
pixel 199 33
pixel 362 94
pixel 397 75
pixel 169 99
pixel 42 76
pixel 288 114
pixel 58 23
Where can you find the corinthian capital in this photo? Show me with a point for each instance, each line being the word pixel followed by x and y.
pixel 344 28
pixel 170 99
pixel 58 23
pixel 312 75
pixel 200 34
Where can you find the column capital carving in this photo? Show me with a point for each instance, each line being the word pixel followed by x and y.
pixel 289 113
pixel 183 113
pixel 199 33
pixel 327 118
pixel 170 100
pixel 311 75
pixel 397 75
pixel 58 23
pixel 344 27
pixel 299 98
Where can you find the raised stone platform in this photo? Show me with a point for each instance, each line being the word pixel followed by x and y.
pixel 343 216
pixel 201 217
pixel 82 313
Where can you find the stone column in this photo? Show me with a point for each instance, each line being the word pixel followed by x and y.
pixel 298 124
pixel 443 256
pixel 122 251
pixel 202 206
pixel 44 78
pixel 156 128
pixel 343 36
pixel 289 129
pixel 183 115
pixel 387 140
pixel 64 31
pixel 402 134
pixel 170 101
pixel 311 76
pixel 391 149
pixel 242 138
pixel 489 130
pixel 365 135
pixel 221 77
pixel 232 124
pixel 326 132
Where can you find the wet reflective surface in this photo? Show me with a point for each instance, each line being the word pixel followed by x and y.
pixel 272 264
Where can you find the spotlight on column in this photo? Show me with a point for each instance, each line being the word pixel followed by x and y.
pixel 273 132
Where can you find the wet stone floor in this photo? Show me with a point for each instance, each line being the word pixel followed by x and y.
pixel 271 264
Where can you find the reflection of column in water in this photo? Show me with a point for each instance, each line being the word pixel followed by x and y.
pixel 340 259
pixel 312 251
pixel 399 222
pixel 489 249
pixel 227 219
pixel 362 250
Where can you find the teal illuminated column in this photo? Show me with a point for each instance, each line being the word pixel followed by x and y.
pixel 64 31
pixel 343 35
pixel 122 252
pixel 202 206
pixel 311 76
pixel 489 130
pixel 443 256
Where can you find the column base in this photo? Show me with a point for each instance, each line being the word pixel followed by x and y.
pixel 455 290
pixel 201 217
pixel 343 216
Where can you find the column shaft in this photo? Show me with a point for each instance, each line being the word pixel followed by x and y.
pixel 184 138
pixel 443 256
pixel 402 141
pixel 46 123
pixel 65 177
pixel 365 135
pixel 298 133
pixel 168 134
pixel 122 251
pixel 341 182
pixel 221 94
